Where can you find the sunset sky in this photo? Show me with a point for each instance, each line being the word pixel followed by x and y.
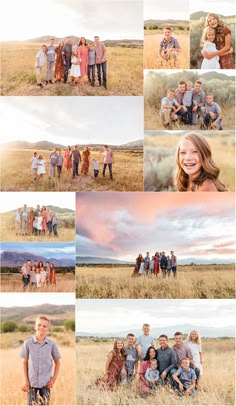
pixel 72 120
pixel 52 250
pixel 110 19
pixel 122 225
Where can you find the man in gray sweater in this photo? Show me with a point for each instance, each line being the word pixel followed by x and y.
pixel 166 357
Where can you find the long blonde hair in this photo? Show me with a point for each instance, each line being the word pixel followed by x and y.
pixel 198 340
pixel 204 34
pixel 220 25
pixel 209 170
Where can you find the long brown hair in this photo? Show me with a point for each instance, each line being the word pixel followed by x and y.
pixel 122 351
pixel 209 170
pixel 220 25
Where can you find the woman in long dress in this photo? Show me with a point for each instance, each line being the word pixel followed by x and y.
pixel 85 161
pixel 59 65
pixel 83 57
pixel 156 264
pixel 67 158
pixel 222 41
pixel 193 342
pixel 137 265
pixel 52 275
pixel 113 369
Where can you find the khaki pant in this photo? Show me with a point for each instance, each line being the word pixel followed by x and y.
pixel 165 115
pixel 38 74
pixel 49 72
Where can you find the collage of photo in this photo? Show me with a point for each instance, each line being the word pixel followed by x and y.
pixel 116 287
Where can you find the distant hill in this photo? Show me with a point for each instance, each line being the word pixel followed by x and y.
pixel 99 260
pixel 21 314
pixel 199 14
pixel 58 210
pixel 228 331
pixel 215 75
pixel 150 22
pixel 134 43
pixel 45 145
pixel 193 75
pixel 13 259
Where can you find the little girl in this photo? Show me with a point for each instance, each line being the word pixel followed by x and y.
pixel 114 367
pixel 142 267
pixel 41 166
pixel 196 171
pixel 38 278
pixel 193 342
pixel 40 224
pixel 75 67
pixel 208 38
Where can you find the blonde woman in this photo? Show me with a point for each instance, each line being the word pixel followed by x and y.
pixel 193 342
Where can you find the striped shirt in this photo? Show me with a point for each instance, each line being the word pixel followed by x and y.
pixel 40 360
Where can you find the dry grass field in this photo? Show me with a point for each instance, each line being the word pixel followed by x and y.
pixel 63 392
pixel 151 59
pixel 7 221
pixel 16 174
pixel 216 388
pixel 159 159
pixel 13 283
pixel 124 73
pixel 198 281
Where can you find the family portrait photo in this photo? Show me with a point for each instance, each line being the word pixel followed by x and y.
pixel 146 357
pixel 166 35
pixel 196 161
pixel 212 34
pixel 35 331
pixel 153 246
pixel 189 99
pixel 72 147
pixel 81 49
pixel 34 217
pixel 37 267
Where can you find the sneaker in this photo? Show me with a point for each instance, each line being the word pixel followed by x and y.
pixel 40 84
pixel 46 82
pixel 50 81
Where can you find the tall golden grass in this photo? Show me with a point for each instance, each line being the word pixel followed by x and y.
pixel 152 39
pixel 16 174
pixel 13 283
pixel 62 393
pixel 197 281
pixel 7 221
pixel 124 73
pixel 216 386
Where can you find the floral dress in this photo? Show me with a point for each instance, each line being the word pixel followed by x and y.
pixel 226 61
pixel 85 162
pixel 114 372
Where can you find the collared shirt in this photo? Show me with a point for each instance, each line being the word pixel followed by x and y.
pixel 51 53
pixel 131 359
pixel 91 57
pixel 49 215
pixel 199 98
pixel 188 98
pixel 24 214
pixel 186 377
pixel 100 50
pixel 40 56
pixel 179 96
pixel 182 352
pixel 213 107
pixel 152 374
pixel 18 218
pixel 173 43
pixel 145 342
pixel 67 51
pixel 40 360
pixel 166 359
pixel 107 156
pixel 166 101
pixel 173 260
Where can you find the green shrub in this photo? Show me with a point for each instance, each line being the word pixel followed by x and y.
pixel 8 326
pixel 69 325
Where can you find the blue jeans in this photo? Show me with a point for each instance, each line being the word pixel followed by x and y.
pixel 49 226
pixel 55 230
pixel 67 68
pixel 33 393
pixel 174 270
pixel 91 70
pixel 103 67
pixel 207 120
pixel 110 169
pixel 75 169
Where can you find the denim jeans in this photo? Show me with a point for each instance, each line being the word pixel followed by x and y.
pixel 110 169
pixel 33 393
pixel 67 68
pixel 55 230
pixel 96 172
pixel 207 120
pixel 164 272
pixel 183 115
pixel 59 168
pixel 103 67
pixel 91 70
pixel 75 169
pixel 174 270
pixel 49 226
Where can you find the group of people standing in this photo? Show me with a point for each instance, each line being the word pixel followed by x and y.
pixel 75 59
pixel 38 275
pixel 179 366
pixel 159 263
pixel 71 160
pixel 41 221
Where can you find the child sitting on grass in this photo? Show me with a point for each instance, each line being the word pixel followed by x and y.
pixel 152 374
pixel 169 108
pixel 185 378
pixel 38 352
